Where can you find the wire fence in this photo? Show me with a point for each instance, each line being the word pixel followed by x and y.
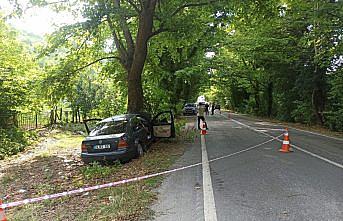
pixel 26 121
pixel 31 121
pixel 36 120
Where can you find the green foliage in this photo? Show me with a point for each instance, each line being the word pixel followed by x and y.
pixel 282 60
pixel 272 58
pixel 96 171
pixel 13 141
pixel 18 75
pixel 302 113
pixel 176 70
pixel 17 71
pixel 335 113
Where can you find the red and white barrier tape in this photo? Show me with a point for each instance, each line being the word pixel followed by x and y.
pixel 87 189
pixel 245 150
pixel 272 129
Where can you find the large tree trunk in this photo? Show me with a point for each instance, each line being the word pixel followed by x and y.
pixel 257 98
pixel 270 99
pixel 318 103
pixel 135 89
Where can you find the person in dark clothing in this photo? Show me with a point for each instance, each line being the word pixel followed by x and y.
pixel 201 112
pixel 212 109
pixel 207 106
pixel 218 107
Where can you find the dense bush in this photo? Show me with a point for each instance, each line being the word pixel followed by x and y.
pixel 334 116
pixel 13 140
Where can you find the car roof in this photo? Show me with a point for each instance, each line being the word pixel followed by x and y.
pixel 124 117
pixel 118 117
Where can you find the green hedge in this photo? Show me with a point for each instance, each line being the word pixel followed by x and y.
pixel 13 140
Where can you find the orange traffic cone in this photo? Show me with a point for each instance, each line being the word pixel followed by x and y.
pixel 285 148
pixel 203 129
pixel 2 213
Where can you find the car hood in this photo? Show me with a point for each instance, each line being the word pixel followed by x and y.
pixel 100 137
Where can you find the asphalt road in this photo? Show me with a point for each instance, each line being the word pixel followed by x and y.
pixel 259 183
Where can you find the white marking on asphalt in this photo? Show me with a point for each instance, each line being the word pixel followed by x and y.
pixel 306 131
pixel 293 145
pixel 335 138
pixel 210 213
pixel 262 130
pixel 107 185
pixel 245 150
pixel 317 156
pixel 265 123
pixel 273 129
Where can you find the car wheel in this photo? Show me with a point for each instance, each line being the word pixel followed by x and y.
pixel 140 150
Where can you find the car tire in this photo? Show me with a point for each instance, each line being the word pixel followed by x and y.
pixel 139 150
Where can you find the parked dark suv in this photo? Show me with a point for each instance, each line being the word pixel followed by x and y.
pixel 190 109
pixel 124 137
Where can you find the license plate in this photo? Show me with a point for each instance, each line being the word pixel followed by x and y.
pixel 102 147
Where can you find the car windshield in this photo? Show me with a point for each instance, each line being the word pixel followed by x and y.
pixel 189 105
pixel 109 127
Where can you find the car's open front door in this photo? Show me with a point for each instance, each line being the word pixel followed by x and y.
pixel 163 125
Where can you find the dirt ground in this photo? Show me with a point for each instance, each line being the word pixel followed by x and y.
pixel 53 165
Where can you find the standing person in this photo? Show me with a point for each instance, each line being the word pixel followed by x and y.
pixel 201 112
pixel 207 108
pixel 218 107
pixel 212 108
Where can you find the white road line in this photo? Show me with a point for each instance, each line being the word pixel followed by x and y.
pixel 245 150
pixel 210 213
pixel 295 146
pixel 306 131
pixel 310 132
pixel 272 129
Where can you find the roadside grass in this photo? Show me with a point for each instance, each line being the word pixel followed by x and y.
pixel 7 180
pixel 58 167
pixel 28 212
pixel 74 128
pixel 128 202
pixel 96 171
pixel 186 129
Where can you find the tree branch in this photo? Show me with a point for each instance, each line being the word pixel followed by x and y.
pixel 192 5
pixel 119 45
pixel 44 4
pixel 158 31
pixel 137 9
pixel 126 30
pixel 152 3
pixel 84 42
pixel 162 29
pixel 93 62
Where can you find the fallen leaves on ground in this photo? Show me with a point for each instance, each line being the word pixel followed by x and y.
pixel 55 166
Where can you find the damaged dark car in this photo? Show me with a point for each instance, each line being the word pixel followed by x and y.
pixel 124 137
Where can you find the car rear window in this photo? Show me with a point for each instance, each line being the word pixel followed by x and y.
pixel 109 127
